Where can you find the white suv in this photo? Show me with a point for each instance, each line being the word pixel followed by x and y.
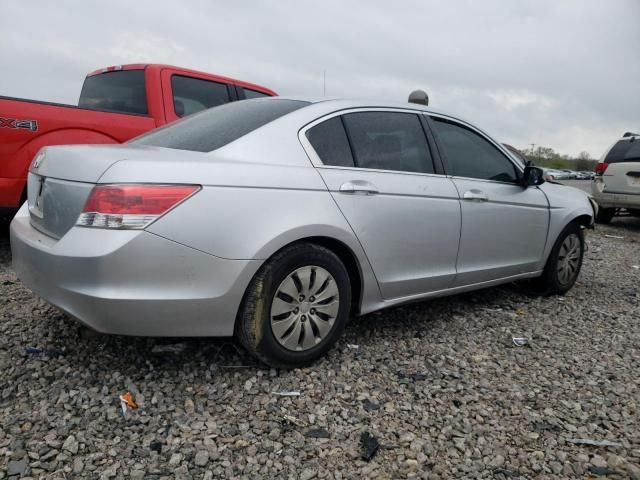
pixel 617 181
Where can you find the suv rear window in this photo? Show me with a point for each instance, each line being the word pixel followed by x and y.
pixel 624 151
pixel 214 128
pixel 122 91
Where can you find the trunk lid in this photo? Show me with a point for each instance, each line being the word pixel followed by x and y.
pixel 79 163
pixel 622 177
pixel 61 178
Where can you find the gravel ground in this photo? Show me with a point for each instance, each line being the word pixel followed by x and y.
pixel 438 384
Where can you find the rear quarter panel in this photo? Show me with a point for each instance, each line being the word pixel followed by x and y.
pixel 275 205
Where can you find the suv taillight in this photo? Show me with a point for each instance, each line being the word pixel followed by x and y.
pixel 601 167
pixel 131 206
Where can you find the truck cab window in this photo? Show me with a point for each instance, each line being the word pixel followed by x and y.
pixel 191 95
pixel 249 94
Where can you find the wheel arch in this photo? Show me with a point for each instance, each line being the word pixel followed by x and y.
pixel 583 220
pixel 584 217
pixel 346 255
pixel 350 261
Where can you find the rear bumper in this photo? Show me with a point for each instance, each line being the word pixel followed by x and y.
pixel 616 200
pixel 131 282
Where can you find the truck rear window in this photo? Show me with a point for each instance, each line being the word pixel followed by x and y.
pixel 122 91
pixel 216 127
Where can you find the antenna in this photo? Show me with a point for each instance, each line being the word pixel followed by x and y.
pixel 324 83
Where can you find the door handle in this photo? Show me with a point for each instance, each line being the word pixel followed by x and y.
pixel 361 187
pixel 477 195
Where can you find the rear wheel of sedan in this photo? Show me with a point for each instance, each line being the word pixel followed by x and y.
pixel 565 261
pixel 605 215
pixel 295 307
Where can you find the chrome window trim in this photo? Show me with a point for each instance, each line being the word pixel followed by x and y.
pixel 377 170
pixel 318 163
pixel 476 130
pixel 485 180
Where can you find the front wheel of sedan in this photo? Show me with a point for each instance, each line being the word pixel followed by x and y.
pixel 295 307
pixel 565 261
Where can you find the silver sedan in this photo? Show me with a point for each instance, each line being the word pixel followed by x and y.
pixel 274 220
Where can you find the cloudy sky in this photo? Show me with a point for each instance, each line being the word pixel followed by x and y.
pixel 563 74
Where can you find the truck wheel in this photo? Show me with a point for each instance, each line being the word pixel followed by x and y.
pixel 295 307
pixel 605 215
pixel 564 262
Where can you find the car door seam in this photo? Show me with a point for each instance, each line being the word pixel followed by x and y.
pixel 455 277
pixel 546 242
pixel 364 252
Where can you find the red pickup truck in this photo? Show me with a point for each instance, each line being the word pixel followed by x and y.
pixel 116 104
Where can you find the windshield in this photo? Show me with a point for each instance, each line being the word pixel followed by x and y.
pixel 213 128
pixel 121 91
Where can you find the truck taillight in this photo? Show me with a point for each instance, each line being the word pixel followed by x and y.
pixel 601 167
pixel 131 206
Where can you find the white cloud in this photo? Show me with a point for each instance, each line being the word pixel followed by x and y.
pixel 511 100
pixel 131 47
pixel 561 74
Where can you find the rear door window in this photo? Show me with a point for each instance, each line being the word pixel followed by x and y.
pixel 388 141
pixel 191 95
pixel 329 140
pixel 470 155
pixel 624 151
pixel 122 91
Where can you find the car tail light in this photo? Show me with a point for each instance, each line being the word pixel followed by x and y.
pixel 601 167
pixel 131 206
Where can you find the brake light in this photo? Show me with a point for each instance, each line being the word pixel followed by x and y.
pixel 601 167
pixel 131 206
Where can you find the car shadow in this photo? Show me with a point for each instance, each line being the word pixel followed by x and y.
pixel 134 357
pixel 60 336
pixel 625 222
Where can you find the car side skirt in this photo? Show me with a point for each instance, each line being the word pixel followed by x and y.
pixel 447 292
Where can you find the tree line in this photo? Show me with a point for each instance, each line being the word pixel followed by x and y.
pixel 547 157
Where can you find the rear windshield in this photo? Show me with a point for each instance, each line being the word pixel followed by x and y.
pixel 624 151
pixel 122 91
pixel 216 127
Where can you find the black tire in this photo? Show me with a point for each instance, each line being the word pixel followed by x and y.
pixel 551 281
pixel 605 215
pixel 253 324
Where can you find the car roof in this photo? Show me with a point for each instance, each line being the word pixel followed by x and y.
pixel 312 110
pixel 319 106
pixel 361 103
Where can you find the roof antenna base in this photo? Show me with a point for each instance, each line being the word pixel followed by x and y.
pixel 420 97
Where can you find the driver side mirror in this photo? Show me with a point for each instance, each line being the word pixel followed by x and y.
pixel 532 177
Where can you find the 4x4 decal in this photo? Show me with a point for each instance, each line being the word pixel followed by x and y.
pixel 31 125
